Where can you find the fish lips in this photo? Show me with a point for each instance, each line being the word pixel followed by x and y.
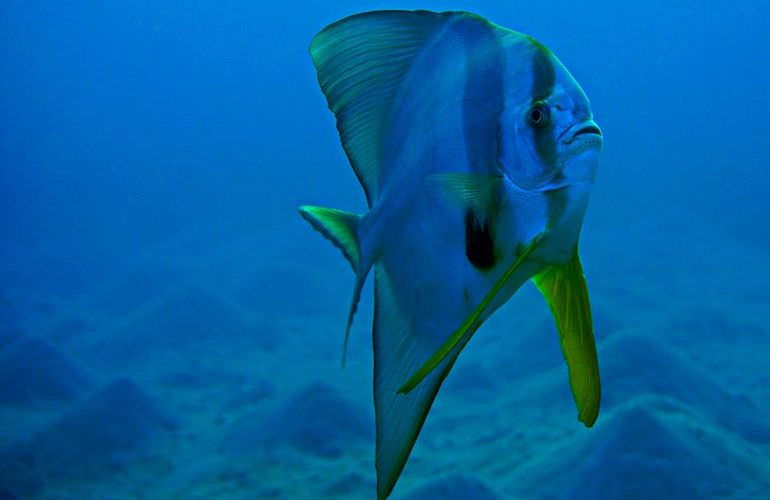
pixel 580 154
pixel 583 131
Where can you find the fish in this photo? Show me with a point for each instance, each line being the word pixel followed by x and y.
pixel 476 150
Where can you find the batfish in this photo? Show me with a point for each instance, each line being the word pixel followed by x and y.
pixel 476 150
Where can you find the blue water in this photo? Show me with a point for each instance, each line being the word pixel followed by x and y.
pixel 170 328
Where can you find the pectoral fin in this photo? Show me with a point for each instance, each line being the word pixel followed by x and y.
pixel 564 288
pixel 475 192
pixel 478 196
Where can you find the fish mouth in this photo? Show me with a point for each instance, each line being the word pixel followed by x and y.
pixel 589 129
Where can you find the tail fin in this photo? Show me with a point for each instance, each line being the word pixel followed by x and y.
pixel 341 228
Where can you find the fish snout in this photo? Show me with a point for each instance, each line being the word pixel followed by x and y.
pixel 586 130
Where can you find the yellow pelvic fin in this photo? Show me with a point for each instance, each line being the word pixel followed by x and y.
pixel 564 288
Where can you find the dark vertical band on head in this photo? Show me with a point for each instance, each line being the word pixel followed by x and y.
pixel 543 81
pixel 543 73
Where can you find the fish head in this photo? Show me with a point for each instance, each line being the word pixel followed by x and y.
pixel 548 136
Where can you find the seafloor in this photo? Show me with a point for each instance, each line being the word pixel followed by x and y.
pixel 217 375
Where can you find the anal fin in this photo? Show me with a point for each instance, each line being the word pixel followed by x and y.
pixel 399 348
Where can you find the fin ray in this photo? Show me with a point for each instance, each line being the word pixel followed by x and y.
pixel 360 61
pixel 337 226
pixel 477 192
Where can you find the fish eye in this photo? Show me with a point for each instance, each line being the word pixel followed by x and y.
pixel 538 115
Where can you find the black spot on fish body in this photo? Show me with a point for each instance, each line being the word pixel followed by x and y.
pixel 479 242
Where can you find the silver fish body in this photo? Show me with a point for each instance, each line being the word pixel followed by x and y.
pixel 477 151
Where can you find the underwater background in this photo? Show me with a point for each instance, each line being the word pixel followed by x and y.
pixel 171 328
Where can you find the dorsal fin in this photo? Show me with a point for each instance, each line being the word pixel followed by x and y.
pixel 360 62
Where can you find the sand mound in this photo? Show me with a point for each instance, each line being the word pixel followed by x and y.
pixel 251 395
pixel 307 293
pixel 632 365
pixel 132 291
pixel 180 320
pixel 34 373
pixel 351 485
pixel 316 420
pixel 641 454
pixel 532 343
pixel 454 487
pixel 106 432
